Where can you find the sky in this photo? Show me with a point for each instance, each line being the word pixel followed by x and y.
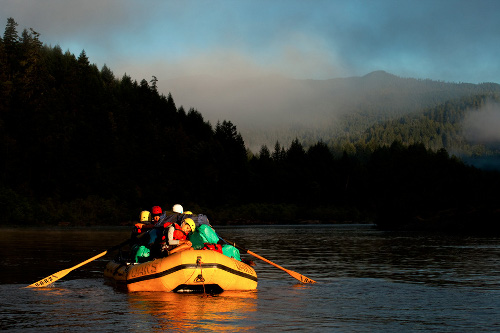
pixel 445 40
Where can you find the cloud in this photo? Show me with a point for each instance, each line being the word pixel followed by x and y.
pixel 298 56
pixel 483 125
pixel 449 40
pixel 69 19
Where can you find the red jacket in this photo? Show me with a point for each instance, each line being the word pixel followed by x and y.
pixel 176 235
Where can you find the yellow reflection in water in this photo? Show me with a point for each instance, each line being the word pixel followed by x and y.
pixel 228 311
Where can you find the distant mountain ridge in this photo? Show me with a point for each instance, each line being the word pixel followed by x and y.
pixel 276 108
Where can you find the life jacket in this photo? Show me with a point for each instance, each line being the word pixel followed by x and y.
pixel 178 233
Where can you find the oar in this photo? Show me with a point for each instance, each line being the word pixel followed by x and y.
pixel 300 277
pixel 56 276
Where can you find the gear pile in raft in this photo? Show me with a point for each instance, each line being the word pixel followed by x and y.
pixel 181 252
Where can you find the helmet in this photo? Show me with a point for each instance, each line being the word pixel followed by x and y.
pixel 145 216
pixel 190 222
pixel 156 210
pixel 188 213
pixel 178 209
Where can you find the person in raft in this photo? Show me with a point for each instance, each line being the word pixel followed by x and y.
pixel 177 237
pixel 138 247
pixel 156 213
pixel 144 224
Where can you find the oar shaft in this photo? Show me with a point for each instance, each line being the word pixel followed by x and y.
pixel 295 275
pixel 264 259
pixel 89 260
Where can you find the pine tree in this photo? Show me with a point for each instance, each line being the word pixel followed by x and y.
pixel 279 152
pixel 11 47
pixel 83 60
pixel 34 71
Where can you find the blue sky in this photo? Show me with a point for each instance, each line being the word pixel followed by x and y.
pixel 447 40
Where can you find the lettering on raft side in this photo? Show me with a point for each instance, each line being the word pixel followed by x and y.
pixel 149 268
pixel 243 267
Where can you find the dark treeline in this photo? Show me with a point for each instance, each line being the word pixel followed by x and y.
pixel 395 186
pixel 79 145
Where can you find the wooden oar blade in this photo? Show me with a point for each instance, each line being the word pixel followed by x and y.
pixel 49 279
pixel 300 277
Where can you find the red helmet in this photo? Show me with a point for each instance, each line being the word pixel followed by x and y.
pixel 156 210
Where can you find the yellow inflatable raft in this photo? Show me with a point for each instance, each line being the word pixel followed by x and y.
pixel 195 270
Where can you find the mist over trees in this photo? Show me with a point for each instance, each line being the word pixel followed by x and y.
pixel 80 145
pixel 442 126
pixel 272 108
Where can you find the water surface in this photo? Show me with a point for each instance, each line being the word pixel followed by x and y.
pixel 368 281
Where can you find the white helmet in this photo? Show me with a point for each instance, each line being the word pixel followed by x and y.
pixel 178 209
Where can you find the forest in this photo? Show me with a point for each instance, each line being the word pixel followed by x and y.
pixel 441 126
pixel 82 147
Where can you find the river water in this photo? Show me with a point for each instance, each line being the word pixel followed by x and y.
pixel 367 281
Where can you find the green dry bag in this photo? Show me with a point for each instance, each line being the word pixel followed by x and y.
pixel 208 234
pixel 197 240
pixel 231 251
pixel 203 234
pixel 141 253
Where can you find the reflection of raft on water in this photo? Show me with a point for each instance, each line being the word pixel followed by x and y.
pixel 195 270
pixel 173 312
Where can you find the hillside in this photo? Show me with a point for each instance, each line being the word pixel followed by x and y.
pixel 273 108
pixel 466 127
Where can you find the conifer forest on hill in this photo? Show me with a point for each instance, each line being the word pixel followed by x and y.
pixel 81 146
